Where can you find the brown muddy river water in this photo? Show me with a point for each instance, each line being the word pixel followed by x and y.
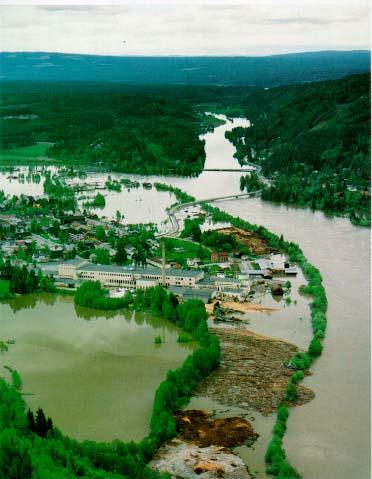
pixel 91 372
pixel 329 438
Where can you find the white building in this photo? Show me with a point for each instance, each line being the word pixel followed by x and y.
pixel 67 269
pixel 222 283
pixel 113 275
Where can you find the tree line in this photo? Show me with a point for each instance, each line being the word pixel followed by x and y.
pixel 27 453
pixel 23 280
pixel 128 130
pixel 277 463
pixel 35 448
pixel 313 141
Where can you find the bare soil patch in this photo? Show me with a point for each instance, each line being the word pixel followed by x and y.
pixel 256 244
pixel 239 307
pixel 197 427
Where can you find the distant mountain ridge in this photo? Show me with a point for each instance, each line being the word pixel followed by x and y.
pixel 266 71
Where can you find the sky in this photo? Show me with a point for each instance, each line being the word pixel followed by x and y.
pixel 209 27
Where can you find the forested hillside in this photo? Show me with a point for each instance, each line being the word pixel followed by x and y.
pixel 271 70
pixel 313 141
pixel 126 129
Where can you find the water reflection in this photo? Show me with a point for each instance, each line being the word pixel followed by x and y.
pixel 29 301
pixel 322 441
pixel 76 363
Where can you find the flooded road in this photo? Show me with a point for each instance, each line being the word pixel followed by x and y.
pixel 141 205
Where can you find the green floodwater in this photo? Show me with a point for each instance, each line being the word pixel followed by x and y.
pixel 94 373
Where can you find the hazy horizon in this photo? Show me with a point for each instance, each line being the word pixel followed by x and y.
pixel 50 52
pixel 254 28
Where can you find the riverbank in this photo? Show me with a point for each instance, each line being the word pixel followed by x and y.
pixel 319 443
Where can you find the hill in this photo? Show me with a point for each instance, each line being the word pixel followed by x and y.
pixel 136 130
pixel 313 141
pixel 263 71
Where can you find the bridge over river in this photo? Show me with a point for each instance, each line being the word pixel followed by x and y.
pixel 172 212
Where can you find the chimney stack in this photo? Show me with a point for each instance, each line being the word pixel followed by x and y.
pixel 163 265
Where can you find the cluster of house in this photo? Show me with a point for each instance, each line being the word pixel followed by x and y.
pixel 76 228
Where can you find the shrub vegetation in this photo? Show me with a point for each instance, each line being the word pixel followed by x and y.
pixel 275 457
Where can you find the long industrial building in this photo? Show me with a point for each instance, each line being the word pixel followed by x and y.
pixel 112 275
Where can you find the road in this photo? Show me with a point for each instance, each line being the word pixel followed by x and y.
pixel 172 211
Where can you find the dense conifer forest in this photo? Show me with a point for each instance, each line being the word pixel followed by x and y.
pixel 313 141
pixel 128 130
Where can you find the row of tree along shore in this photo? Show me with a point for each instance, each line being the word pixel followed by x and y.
pixel 25 453
pixel 277 463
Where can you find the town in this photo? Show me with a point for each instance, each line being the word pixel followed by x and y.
pixel 69 244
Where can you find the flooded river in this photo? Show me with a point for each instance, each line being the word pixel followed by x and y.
pixel 328 438
pixel 141 205
pixel 94 373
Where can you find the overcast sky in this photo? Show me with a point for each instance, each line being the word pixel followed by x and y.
pixel 257 27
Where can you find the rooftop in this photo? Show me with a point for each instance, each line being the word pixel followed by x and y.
pixel 74 262
pixel 233 290
pixel 111 268
pixel 226 280
pixel 190 291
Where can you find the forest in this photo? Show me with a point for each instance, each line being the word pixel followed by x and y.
pixel 313 142
pixel 135 130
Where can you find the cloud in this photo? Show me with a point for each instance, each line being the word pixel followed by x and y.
pixel 256 27
pixel 310 20
pixel 62 8
pixel 299 21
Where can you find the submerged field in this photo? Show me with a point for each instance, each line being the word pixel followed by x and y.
pixel 94 373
